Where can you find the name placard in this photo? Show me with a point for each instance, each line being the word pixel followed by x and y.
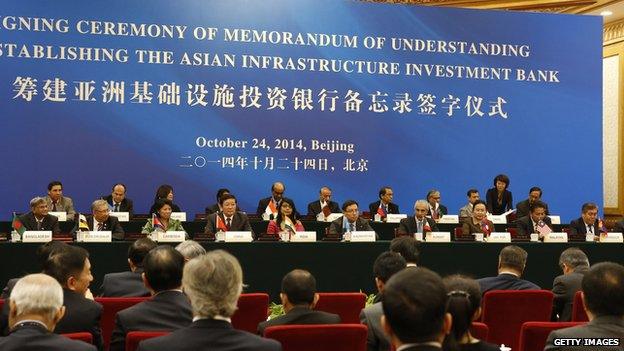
pixel 238 237
pixel 449 219
pixel 332 217
pixel 37 236
pixel 418 236
pixel 438 237
pixel 395 218
pixel 95 237
pixel 62 216
pixel 303 237
pixel 171 237
pixel 590 237
pixel 499 237
pixel 364 236
pixel 180 216
pixel 478 237
pixel 556 238
pixel 611 238
pixel 121 216
pixel 534 237
pixel 499 219
pixel 555 219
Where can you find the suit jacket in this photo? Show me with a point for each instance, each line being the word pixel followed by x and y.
pixel 263 203
pixel 492 202
pixel 6 292
pixel 300 315
pixel 124 284
pixel 409 226
pixel 525 227
pixel 34 337
pixel 523 208
pixel 166 311
pixel 49 222
pixel 577 227
pixel 210 334
pixel 361 224
pixel 619 227
pixel 392 208
pixel 465 211
pixel 314 207
pixel 111 223
pixel 126 204
pixel 600 327
pixel 81 315
pixel 565 287
pixel 240 223
pixel 468 226
pixel 505 281
pixel 376 339
pixel 214 208
pixel 64 204
pixel 441 209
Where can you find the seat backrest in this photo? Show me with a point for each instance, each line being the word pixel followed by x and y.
pixel 110 307
pixel 135 337
pixel 86 337
pixel 252 309
pixel 578 310
pixel 533 335
pixel 326 337
pixel 347 305
pixel 479 330
pixel 504 312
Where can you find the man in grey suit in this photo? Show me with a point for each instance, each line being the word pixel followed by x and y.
pixel 574 264
pixel 168 309
pixel 603 298
pixel 129 283
pixel 466 211
pixel 385 266
pixel 350 221
pixel 299 298
pixel 57 202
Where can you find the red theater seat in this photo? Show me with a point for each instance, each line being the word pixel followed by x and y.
pixel 110 307
pixel 347 305
pixel 327 337
pixel 479 330
pixel 533 335
pixel 86 337
pixel 578 310
pixel 134 338
pixel 252 309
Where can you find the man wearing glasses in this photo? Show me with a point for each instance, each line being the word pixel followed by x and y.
pixel 101 220
pixel 350 221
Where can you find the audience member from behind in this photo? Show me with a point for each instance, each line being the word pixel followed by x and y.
pixel 168 309
pixel 511 262
pixel 465 306
pixel 190 249
pixel 38 217
pixel 129 283
pixel 414 311
pixel 574 264
pixel 213 283
pixel 407 247
pixel 36 306
pixel 299 297
pixel 603 299
pixel 386 265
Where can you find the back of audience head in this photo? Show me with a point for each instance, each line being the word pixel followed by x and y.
pixel 48 249
pixel 190 249
pixel 386 265
pixel 138 250
pixel 414 307
pixel 213 282
pixel 406 246
pixel 512 258
pixel 298 289
pixel 572 258
pixel 36 297
pixel 464 305
pixel 71 268
pixel 603 290
pixel 163 268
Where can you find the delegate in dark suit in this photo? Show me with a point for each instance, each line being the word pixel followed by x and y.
pixel 565 287
pixel 314 208
pixel 263 203
pixel 600 327
pixel 209 334
pixel 523 208
pixel 49 223
pixel 300 315
pixel 35 337
pixel 240 223
pixel 360 225
pixel 376 339
pixel 166 311
pixel 409 226
pixel 124 284
pixel 81 315
pixel 493 206
pixel 126 204
pixel 525 227
pixel 577 227
pixel 111 223
pixel 392 208
pixel 505 281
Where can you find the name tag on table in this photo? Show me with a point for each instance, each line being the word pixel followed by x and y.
pixel 418 236
pixel 499 219
pixel 556 238
pixel 37 236
pixel 170 237
pixel 555 219
pixel 332 217
pixel 499 237
pixel 611 238
pixel 438 237
pixel 303 237
pixel 365 236
pixel 62 216
pixel 395 218
pixel 180 216
pixel 238 237
pixel 121 216
pixel 449 219
pixel 95 237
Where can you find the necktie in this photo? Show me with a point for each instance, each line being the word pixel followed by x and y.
pixel 100 226
pixel 535 229
pixel 386 209
pixel 116 209
pixel 434 213
pixel 38 225
pixel 54 206
pixel 591 229
pixel 228 221
pixel 420 227
pixel 351 227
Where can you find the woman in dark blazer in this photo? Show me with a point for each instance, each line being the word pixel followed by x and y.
pixel 478 223
pixel 498 198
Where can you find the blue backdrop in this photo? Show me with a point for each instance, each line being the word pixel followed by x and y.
pixel 68 125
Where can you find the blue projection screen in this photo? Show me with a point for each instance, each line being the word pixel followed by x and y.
pixel 239 94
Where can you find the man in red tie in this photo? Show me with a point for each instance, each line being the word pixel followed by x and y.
pixel 228 219
pixel 57 202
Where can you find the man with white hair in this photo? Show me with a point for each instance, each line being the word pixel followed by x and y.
pixel 38 217
pixel 190 249
pixel 213 283
pixel 36 306
pixel 101 220
pixel 418 223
